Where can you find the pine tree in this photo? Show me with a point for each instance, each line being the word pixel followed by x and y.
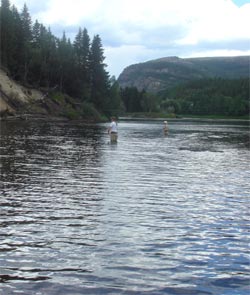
pixel 27 38
pixel 32 54
pixel 17 44
pixel 77 46
pixel 6 33
pixel 114 103
pixel 66 64
pixel 36 34
pixel 82 55
pixel 99 77
pixel 85 48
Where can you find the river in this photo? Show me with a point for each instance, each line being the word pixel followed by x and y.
pixel 152 214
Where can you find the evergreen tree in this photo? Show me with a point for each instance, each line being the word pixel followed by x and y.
pixel 77 46
pixel 82 53
pixel 26 25
pixel 114 103
pixel 36 54
pixel 36 31
pixel 67 74
pixel 33 55
pixel 6 29
pixel 133 99
pixel 99 77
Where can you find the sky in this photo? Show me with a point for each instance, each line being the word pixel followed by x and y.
pixel 134 31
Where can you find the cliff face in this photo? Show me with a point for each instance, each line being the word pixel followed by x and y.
pixel 160 74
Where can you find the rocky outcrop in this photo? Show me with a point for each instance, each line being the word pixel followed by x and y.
pixel 163 73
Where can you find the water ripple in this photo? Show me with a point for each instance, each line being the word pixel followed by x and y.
pixel 153 214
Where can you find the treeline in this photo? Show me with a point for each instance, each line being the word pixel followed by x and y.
pixel 31 54
pixel 139 101
pixel 214 96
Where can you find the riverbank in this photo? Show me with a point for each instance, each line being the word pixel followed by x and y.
pixel 215 117
pixel 19 102
pixel 163 116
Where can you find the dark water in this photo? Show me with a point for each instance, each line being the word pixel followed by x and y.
pixel 150 215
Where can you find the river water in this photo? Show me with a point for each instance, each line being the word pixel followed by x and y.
pixel 152 214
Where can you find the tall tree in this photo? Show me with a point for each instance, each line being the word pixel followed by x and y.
pixel 77 46
pixel 6 29
pixel 82 53
pixel 16 61
pixel 114 103
pixel 27 38
pixel 99 77
pixel 66 66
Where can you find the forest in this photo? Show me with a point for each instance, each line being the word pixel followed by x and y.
pixel 214 96
pixel 32 55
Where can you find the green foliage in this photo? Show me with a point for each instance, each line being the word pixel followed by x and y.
pixel 152 115
pixel 100 87
pixel 58 97
pixel 114 102
pixel 89 111
pixel 209 97
pixel 170 106
pixel 132 99
pixel 149 102
pixel 224 97
pixel 34 56
pixel 139 101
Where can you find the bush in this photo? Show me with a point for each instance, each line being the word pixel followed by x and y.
pixel 58 97
pixel 88 111
pixel 70 113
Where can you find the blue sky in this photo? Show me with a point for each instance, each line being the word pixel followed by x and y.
pixel 134 31
pixel 240 2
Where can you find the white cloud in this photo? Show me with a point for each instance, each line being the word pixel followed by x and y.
pixel 220 22
pixel 125 55
pixel 135 29
pixel 69 12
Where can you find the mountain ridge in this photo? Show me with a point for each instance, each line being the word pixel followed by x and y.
pixel 163 73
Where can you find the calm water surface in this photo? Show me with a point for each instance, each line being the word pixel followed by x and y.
pixel 152 214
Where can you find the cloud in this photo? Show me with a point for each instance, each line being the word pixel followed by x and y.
pixel 133 30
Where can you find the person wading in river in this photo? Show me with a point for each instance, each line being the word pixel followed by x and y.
pixel 165 127
pixel 112 130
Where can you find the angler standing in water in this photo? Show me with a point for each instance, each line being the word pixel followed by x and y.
pixel 113 131
pixel 165 127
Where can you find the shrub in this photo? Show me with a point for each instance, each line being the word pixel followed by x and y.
pixel 58 97
pixel 88 111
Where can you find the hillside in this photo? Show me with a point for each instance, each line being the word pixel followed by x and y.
pixel 14 98
pixel 160 74
pixel 19 101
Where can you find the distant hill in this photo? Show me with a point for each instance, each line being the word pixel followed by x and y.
pixel 160 74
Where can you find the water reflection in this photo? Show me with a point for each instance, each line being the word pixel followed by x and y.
pixel 149 215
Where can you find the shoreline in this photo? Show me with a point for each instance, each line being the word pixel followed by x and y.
pixel 183 118
pixel 33 117
pixel 45 117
